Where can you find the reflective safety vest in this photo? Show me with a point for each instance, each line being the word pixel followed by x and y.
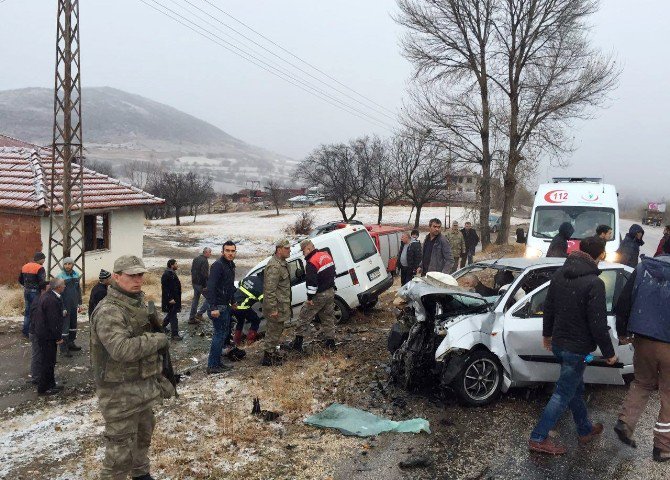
pixel 249 291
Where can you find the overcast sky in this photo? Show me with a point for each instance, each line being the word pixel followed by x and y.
pixel 127 45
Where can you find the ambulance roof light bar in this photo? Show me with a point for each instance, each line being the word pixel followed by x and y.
pixel 577 180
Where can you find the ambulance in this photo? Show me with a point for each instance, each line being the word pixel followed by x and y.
pixel 584 202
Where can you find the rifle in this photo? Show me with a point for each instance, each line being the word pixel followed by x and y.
pixel 157 327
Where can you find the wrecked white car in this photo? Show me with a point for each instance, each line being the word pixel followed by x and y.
pixel 480 345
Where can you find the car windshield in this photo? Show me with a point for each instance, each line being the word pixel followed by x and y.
pixel 360 245
pixel 489 280
pixel 585 220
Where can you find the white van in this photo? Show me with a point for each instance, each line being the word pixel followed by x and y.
pixel 584 202
pixel 361 275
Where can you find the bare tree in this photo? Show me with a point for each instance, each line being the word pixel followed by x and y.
pixel 422 169
pixel 104 168
pixel 176 189
pixel 337 171
pixel 201 193
pixel 449 44
pixel 549 76
pixel 277 193
pixel 383 185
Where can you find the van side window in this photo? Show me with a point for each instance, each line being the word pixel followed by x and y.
pixel 296 271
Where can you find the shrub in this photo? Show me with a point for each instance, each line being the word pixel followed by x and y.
pixel 302 225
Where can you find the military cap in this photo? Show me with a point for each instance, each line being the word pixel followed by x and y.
pixel 283 243
pixel 129 264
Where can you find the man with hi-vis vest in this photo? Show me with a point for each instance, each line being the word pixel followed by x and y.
pixel 320 282
pixel 127 360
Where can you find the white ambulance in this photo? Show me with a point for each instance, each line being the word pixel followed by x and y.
pixel 584 202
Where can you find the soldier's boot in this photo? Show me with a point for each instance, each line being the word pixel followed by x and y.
pixel 296 344
pixel 251 336
pixel 65 350
pixel 237 337
pixel 271 360
pixel 73 347
pixel 329 344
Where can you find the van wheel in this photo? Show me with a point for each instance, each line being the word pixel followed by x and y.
pixel 480 380
pixel 367 308
pixel 342 312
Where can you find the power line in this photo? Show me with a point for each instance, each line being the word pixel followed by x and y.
pixel 375 107
pixel 274 66
pixel 259 63
pixel 295 56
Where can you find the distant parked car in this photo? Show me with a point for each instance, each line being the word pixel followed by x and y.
pixel 305 200
pixel 494 223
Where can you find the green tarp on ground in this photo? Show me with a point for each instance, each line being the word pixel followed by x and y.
pixel 352 421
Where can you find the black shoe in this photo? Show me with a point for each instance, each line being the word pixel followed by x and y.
pixel 146 476
pixel 660 456
pixel 329 344
pixel 236 354
pixel 624 433
pixel 47 393
pixel 73 347
pixel 65 352
pixel 296 344
pixel 176 338
pixel 271 360
pixel 220 369
pixel 57 388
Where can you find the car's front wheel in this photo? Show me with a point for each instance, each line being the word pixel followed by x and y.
pixel 480 380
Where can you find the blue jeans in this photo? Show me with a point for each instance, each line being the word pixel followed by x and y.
pixel 221 335
pixel 569 393
pixel 29 295
pixel 197 292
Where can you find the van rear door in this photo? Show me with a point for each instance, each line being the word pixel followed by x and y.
pixel 369 269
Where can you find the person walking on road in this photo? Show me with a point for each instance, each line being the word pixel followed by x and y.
pixel 457 243
pixel 99 291
pixel 248 293
pixel 276 301
pixel 664 238
pixel 48 329
pixel 574 324
pixel 643 313
pixel 72 300
pixel 409 257
pixel 559 244
pixel 471 241
pixel 31 277
pixel 199 277
pixel 629 250
pixel 127 363
pixel 436 256
pixel 320 282
pixel 171 298
pixel 220 291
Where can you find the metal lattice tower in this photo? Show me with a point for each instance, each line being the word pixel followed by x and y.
pixel 66 221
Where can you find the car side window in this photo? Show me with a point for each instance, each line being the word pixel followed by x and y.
pixel 614 281
pixel 534 308
pixel 296 271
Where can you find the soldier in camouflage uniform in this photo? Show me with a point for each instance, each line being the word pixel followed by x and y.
pixel 276 300
pixel 127 370
pixel 457 242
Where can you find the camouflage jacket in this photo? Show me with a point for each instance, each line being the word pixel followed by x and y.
pixel 124 355
pixel 276 285
pixel 457 242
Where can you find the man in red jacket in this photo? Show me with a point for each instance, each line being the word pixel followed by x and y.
pixel 320 282
pixel 665 238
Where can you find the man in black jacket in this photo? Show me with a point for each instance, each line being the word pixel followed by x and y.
pixel 629 250
pixel 471 241
pixel 171 298
pixel 31 277
pixel 199 277
pixel 220 291
pixel 48 317
pixel 575 323
pixel 99 291
pixel 409 257
pixel 559 244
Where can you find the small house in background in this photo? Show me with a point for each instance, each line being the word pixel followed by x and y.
pixel 113 211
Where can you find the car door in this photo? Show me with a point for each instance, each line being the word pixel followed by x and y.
pixel 296 270
pixel 530 362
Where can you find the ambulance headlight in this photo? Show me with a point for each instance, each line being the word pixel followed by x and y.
pixel 532 252
pixel 612 257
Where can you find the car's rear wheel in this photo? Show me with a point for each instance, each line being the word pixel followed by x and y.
pixel 342 312
pixel 480 380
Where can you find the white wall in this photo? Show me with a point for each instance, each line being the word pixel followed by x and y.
pixel 126 238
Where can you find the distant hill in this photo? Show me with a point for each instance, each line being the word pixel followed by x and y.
pixel 121 126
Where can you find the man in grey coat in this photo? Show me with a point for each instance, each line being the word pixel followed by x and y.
pixel 437 255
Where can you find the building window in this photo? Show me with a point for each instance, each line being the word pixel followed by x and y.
pixel 96 232
pixel 468 180
pixel 460 179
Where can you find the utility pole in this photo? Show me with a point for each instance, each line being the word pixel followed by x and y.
pixel 66 219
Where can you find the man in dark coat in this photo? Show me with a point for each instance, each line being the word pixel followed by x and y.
pixel 409 257
pixel 49 316
pixel 72 300
pixel 629 250
pixel 559 245
pixel 171 298
pixel 436 256
pixel 36 355
pixel 99 291
pixel 664 239
pixel 471 241
pixel 31 277
pixel 199 276
pixel 643 313
pixel 574 325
